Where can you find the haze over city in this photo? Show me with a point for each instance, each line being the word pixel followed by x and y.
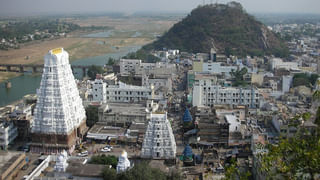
pixel 16 7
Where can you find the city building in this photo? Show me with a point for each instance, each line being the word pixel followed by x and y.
pixel 211 130
pixel 277 63
pixel 8 133
pixel 127 66
pixel 212 67
pixel 22 119
pixel 121 92
pixel 99 92
pixel 137 67
pixel 157 82
pixel 123 114
pixel 201 78
pixel 207 95
pixel 159 142
pixel 59 116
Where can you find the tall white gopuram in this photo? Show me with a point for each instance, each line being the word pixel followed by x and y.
pixel 123 162
pixel 59 116
pixel 159 141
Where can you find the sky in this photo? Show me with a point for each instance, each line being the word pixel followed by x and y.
pixel 16 7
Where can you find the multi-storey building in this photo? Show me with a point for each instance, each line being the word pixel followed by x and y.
pixel 212 67
pixel 159 142
pixel 208 95
pixel 137 67
pixel 127 66
pixel 8 133
pixel 122 114
pixel 59 116
pixel 120 92
pixel 157 82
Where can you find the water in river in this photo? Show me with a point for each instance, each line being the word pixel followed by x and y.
pixel 28 83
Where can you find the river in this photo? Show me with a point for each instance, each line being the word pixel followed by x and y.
pixel 28 83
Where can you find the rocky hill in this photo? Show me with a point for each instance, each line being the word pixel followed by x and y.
pixel 227 27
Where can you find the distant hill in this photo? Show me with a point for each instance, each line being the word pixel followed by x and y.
pixel 228 28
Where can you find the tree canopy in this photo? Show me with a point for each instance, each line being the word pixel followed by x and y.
pixel 93 71
pixel 238 77
pixel 92 115
pixel 103 159
pixel 296 157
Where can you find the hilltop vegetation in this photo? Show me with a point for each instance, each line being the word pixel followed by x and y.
pixel 228 28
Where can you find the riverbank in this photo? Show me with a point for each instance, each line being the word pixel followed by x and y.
pixel 78 48
pixel 7 75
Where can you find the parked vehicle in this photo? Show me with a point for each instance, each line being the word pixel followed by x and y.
pixel 83 154
pixel 105 149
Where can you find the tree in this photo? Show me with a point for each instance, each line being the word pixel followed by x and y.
pixel 111 61
pixel 92 115
pixel 303 79
pixel 93 71
pixel 106 160
pixel 316 97
pixel 238 77
pixel 294 158
pixel 232 171
pixel 142 171
pixel 109 173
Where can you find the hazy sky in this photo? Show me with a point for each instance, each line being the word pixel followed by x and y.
pixel 77 6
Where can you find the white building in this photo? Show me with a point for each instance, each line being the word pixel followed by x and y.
pixel 120 92
pixel 217 68
pixel 99 91
pixel 234 123
pixel 21 109
pixel 59 111
pixel 157 82
pixel 137 67
pixel 212 67
pixel 123 162
pixel 277 63
pixel 206 95
pixel 286 83
pixel 8 133
pixel 127 66
pixel 159 142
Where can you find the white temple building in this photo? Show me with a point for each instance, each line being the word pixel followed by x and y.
pixel 59 116
pixel 159 142
pixel 61 162
pixel 123 162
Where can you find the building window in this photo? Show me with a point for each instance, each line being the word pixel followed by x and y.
pixel 158 144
